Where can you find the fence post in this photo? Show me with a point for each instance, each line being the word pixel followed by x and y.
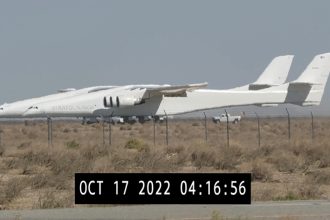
pixel 259 136
pixel 205 126
pixel 166 121
pixel 289 124
pixel 154 125
pixel 227 128
pixel 50 131
pixel 103 132
pixel 220 140
pixel 0 137
pixel 312 126
pixel 110 130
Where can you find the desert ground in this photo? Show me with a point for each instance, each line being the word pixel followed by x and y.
pixel 34 175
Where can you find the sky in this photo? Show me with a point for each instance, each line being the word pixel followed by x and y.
pixel 51 45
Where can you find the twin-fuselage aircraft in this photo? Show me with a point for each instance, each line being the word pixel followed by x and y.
pixel 157 100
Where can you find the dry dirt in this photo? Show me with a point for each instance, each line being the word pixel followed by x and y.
pixel 35 175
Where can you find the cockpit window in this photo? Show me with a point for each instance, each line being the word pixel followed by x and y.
pixel 33 107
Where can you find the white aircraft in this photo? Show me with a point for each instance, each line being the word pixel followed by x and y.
pixel 275 74
pixel 18 108
pixel 144 100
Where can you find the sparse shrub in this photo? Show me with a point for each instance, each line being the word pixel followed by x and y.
pixel 2 150
pixel 24 131
pixel 102 164
pixel 125 128
pixel 11 190
pixel 41 158
pixel 67 163
pixel 92 152
pixel 153 160
pixel 261 172
pixel 32 135
pixel 195 124
pixel 290 195
pixel 203 158
pixel 66 130
pixel 39 180
pixel 121 160
pixel 262 193
pixel 136 144
pixel 284 161
pixel 228 157
pixel 319 177
pixel 72 144
pixel 12 163
pixel 26 170
pixel 24 145
pixel 309 191
pixel 260 152
pixel 50 200
pixel 59 182
pixel 304 191
pixel 319 152
pixel 174 150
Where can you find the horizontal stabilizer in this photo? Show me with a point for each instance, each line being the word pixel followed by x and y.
pixel 304 83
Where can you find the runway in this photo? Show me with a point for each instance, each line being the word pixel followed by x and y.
pixel 259 210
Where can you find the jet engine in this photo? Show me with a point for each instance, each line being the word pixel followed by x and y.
pixel 108 102
pixel 127 101
pixel 119 102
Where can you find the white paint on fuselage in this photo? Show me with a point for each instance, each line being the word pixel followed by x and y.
pixel 18 108
pixel 202 99
pixel 92 104
pixel 88 104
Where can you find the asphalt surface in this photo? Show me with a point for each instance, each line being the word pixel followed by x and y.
pixel 260 210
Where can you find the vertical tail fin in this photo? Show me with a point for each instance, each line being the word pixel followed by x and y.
pixel 308 89
pixel 275 73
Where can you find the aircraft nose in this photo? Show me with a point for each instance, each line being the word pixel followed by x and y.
pixel 2 111
pixel 7 112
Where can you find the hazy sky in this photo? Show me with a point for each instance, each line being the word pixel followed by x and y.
pixel 50 45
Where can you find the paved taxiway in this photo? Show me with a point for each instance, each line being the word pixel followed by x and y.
pixel 260 210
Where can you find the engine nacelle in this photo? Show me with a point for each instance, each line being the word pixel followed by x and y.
pixel 108 102
pixel 118 102
pixel 127 101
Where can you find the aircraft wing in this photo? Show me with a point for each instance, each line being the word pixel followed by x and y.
pixel 100 88
pixel 178 90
